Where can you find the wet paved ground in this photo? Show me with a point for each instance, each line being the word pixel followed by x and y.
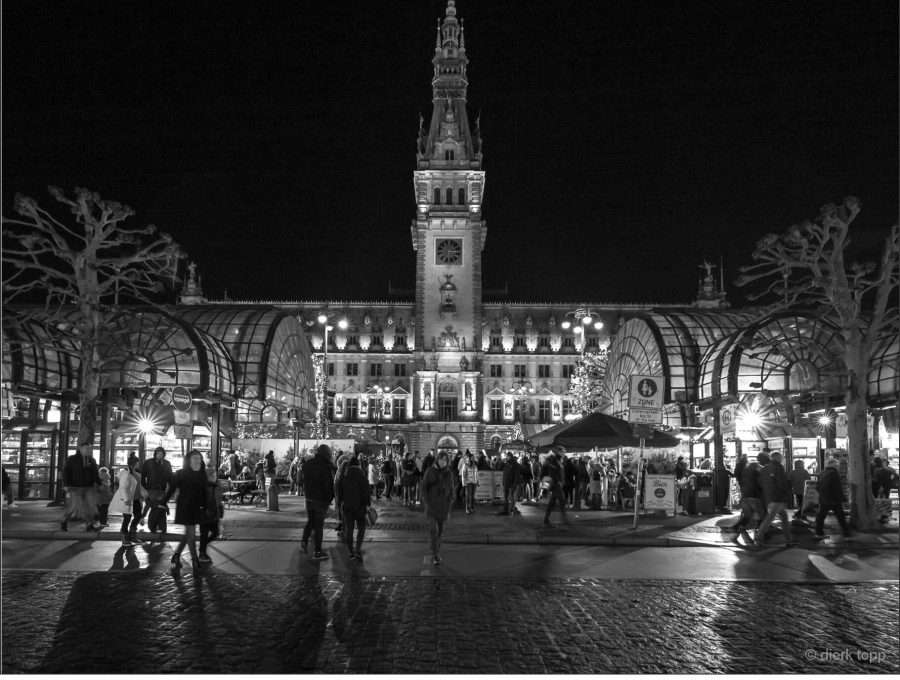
pixel 218 623
pixel 589 596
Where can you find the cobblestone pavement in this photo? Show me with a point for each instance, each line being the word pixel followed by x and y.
pixel 137 622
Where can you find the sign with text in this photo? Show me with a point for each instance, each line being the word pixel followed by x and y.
pixel 485 489
pixel 182 417
pixel 645 399
pixel 659 492
pixel 181 398
pixel 646 392
pixel 644 416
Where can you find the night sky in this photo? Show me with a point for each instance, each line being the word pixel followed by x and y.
pixel 624 142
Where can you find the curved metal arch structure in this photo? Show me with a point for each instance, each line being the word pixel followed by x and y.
pixel 271 352
pixel 780 353
pixel 668 344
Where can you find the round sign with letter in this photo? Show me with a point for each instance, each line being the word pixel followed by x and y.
pixel 181 398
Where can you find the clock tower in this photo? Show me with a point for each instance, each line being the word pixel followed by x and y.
pixel 448 235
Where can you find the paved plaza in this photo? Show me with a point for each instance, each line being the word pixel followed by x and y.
pixel 591 595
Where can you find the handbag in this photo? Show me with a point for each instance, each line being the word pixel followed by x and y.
pixel 371 517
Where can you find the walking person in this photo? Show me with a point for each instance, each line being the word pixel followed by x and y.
pixel 798 479
pixel 582 479
pixel 535 477
pixel 104 497
pixel 552 474
pixel 831 498
pixel 468 472
pixel 372 473
pixel 156 478
pixel 343 460
pixel 81 478
pixel 190 483
pixel 751 500
pixel 318 488
pixel 437 497
pixel 777 492
pixel 294 475
pixel 127 500
pixel 8 491
pixel 213 511
pixel 409 478
pixel 570 473
pixel 512 475
pixel 356 497
pixel 527 477
pixel 387 474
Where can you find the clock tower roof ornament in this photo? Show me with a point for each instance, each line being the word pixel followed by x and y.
pixel 449 86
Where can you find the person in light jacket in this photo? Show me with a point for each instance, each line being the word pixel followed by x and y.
pixel 437 497
pixel 127 501
pixel 468 473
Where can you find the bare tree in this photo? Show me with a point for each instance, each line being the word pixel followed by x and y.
pixel 807 268
pixel 586 385
pixel 87 264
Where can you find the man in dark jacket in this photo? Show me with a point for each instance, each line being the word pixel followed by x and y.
pixel 553 469
pixel 777 492
pixel 512 475
pixel 356 497
pixel 318 487
pixel 831 497
pixel 750 498
pixel 156 476
pixel 81 479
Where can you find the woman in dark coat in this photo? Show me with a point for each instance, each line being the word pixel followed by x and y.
pixel 190 483
pixel 356 497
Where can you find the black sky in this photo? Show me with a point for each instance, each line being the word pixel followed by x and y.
pixel 624 142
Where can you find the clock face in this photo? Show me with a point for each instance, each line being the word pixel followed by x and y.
pixel 449 251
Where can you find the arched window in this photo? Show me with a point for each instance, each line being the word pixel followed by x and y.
pixel 449 196
pixel 462 196
pixel 437 196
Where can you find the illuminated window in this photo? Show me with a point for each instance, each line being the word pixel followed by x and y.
pixel 496 410
pixel 351 409
pixel 544 410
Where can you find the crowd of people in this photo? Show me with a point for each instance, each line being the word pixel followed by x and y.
pixel 142 493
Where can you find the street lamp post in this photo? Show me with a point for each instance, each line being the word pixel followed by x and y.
pixel 324 316
pixel 583 318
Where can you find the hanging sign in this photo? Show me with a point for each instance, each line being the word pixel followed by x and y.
pixel 840 425
pixel 181 398
pixel 726 419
